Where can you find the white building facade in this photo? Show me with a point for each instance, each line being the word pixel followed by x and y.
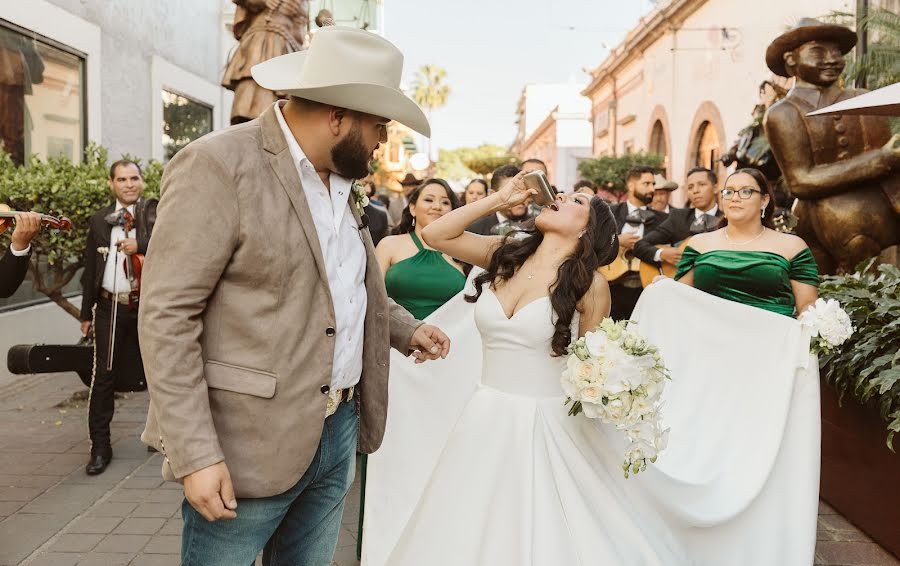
pixel 685 81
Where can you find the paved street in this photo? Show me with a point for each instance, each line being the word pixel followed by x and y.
pixel 51 513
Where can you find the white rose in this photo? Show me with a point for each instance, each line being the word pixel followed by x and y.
pixel 591 394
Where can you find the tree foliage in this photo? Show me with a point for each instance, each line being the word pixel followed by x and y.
pixel 59 187
pixel 465 163
pixel 609 172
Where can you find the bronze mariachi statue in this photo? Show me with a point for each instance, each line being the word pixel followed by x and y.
pixel 844 170
pixel 265 29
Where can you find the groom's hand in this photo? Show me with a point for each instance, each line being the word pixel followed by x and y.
pixel 429 343
pixel 210 492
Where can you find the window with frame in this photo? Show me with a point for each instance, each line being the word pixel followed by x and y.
pixel 42 104
pixel 42 113
pixel 184 120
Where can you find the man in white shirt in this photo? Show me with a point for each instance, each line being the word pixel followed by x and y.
pixel 107 296
pixel 703 216
pixel 266 328
pixel 14 264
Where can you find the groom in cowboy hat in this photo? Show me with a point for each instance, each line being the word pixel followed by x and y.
pixel 265 326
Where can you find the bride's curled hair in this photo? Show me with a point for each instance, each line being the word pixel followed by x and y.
pixel 598 246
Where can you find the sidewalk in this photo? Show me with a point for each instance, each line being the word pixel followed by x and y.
pixel 51 513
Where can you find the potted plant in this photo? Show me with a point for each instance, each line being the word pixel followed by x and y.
pixel 861 393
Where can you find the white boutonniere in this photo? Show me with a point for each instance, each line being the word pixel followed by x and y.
pixel 104 251
pixel 359 197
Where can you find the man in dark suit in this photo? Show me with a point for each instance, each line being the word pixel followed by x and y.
pixel 634 218
pixel 378 222
pixel 376 213
pixel 502 222
pixel 14 264
pixel 703 216
pixel 105 282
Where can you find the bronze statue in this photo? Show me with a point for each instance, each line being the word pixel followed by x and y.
pixel 265 29
pixel 843 170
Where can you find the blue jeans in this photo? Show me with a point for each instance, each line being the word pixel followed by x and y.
pixel 297 527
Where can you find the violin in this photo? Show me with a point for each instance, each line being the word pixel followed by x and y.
pixel 134 265
pixel 57 223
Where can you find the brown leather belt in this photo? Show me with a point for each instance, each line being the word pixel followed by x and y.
pixel 121 298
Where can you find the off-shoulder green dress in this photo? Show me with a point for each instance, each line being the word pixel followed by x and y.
pixel 754 278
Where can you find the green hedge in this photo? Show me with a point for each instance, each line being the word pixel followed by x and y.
pixel 59 187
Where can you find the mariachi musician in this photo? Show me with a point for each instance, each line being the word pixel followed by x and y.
pixel 634 218
pixel 702 216
pixel 14 263
pixel 118 238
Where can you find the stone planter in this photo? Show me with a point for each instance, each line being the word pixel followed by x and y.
pixel 860 476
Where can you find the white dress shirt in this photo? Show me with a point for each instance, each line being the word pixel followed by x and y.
pixel 20 253
pixel 114 278
pixel 629 228
pixel 712 212
pixel 345 259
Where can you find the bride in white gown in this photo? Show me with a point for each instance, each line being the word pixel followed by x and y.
pixel 482 466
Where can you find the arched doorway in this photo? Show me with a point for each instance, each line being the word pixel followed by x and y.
pixel 706 152
pixel 658 139
pixel 705 144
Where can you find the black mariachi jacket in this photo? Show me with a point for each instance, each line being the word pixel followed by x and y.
pixel 12 272
pixel 98 237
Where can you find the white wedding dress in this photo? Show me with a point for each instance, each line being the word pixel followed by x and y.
pixel 482 466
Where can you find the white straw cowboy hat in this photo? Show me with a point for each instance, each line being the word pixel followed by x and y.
pixel 349 68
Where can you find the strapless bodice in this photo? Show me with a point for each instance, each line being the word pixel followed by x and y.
pixel 517 357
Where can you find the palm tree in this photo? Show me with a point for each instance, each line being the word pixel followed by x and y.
pixel 430 90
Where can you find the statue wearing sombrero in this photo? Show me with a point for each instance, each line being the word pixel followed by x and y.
pixel 844 170
pixel 266 346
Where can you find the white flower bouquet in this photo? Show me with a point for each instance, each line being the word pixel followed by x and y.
pixel 614 375
pixel 828 323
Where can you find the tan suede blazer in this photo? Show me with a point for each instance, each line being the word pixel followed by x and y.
pixel 236 316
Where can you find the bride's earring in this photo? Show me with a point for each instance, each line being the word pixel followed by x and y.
pixel 762 212
pixel 414 222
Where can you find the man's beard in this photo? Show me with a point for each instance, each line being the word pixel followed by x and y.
pixel 350 156
pixel 644 198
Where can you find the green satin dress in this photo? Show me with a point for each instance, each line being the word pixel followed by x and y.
pixel 424 282
pixel 754 278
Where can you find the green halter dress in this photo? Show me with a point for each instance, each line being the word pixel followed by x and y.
pixel 754 278
pixel 424 282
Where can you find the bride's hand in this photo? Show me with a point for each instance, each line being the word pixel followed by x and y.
pixel 514 192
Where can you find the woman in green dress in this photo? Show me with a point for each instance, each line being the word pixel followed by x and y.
pixel 418 278
pixel 748 261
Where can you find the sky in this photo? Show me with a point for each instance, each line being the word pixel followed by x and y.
pixel 491 49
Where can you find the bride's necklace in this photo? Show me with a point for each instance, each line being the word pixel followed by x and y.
pixel 751 240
